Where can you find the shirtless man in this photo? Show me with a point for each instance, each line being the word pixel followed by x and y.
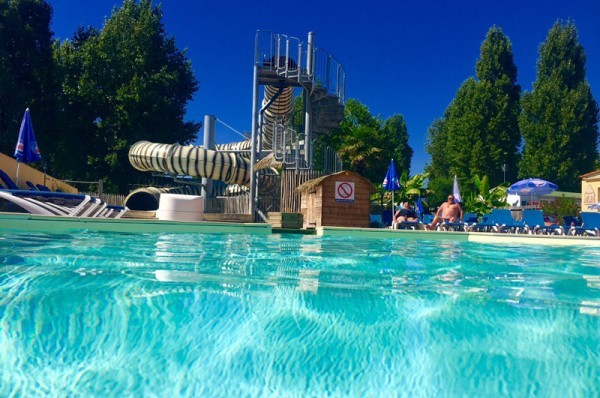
pixel 448 211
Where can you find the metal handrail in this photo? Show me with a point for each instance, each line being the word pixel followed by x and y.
pixel 276 52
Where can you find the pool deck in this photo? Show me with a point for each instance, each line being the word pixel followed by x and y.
pixel 479 237
pixel 28 222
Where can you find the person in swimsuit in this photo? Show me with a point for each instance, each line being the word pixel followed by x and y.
pixel 448 211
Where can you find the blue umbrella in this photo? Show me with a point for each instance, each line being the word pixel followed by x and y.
pixel 27 150
pixel 532 186
pixel 391 182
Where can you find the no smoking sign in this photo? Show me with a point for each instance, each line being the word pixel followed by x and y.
pixel 344 191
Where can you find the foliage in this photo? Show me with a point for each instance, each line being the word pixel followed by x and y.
pixel 410 189
pixel 560 116
pixel 484 199
pixel 559 208
pixel 366 144
pixel 125 83
pixel 479 132
pixel 26 72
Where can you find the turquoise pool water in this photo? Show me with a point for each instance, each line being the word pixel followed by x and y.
pixel 100 314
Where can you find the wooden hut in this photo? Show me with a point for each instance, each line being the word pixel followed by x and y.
pixel 341 200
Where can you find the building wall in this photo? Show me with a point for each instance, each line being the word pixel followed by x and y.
pixel 28 173
pixel 343 214
pixel 590 190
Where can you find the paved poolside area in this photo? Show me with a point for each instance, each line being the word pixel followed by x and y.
pixel 28 222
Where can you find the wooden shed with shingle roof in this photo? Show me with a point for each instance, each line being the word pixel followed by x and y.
pixel 341 199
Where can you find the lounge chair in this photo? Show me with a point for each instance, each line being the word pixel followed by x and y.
pixel 59 204
pixel 427 218
pixel 43 188
pixel 534 223
pixel 465 224
pixel 499 220
pixel 590 225
pixel 570 222
pixel 7 181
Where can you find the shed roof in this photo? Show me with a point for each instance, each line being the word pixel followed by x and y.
pixel 311 185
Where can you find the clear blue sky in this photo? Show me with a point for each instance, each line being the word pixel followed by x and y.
pixel 400 57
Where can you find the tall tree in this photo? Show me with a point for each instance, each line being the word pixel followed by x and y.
pixel 366 143
pixel 126 83
pixel 479 133
pixel 26 71
pixel 560 116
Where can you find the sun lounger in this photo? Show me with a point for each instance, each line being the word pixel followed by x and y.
pixel 534 223
pixel 499 220
pixel 61 204
pixel 7 181
pixel 590 225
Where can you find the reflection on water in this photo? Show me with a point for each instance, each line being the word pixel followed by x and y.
pixel 233 315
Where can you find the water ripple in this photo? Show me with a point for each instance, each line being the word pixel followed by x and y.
pixel 101 314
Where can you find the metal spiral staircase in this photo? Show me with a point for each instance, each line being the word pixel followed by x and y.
pixel 285 65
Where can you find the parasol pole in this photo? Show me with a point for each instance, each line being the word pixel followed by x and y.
pixel 17 178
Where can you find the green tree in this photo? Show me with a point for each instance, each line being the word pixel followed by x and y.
pixel 366 144
pixel 479 132
pixel 26 72
pixel 123 84
pixel 560 116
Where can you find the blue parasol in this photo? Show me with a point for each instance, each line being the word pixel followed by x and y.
pixel 532 187
pixel 391 182
pixel 456 192
pixel 27 150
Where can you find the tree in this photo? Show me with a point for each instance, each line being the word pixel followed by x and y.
pixel 560 116
pixel 26 72
pixel 366 144
pixel 126 83
pixel 479 132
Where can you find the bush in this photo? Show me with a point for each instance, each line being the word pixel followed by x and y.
pixel 559 208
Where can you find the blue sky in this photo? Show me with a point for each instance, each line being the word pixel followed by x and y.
pixel 400 57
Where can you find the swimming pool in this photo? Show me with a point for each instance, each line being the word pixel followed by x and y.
pixel 109 314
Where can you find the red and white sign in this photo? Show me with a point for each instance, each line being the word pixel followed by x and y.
pixel 344 191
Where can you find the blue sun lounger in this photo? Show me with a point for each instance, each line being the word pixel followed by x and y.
pixel 534 223
pixel 465 224
pixel 499 220
pixel 7 181
pixel 590 225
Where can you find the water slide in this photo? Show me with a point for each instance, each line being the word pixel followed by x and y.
pixel 229 163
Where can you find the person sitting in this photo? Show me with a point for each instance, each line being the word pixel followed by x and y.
pixel 405 214
pixel 448 212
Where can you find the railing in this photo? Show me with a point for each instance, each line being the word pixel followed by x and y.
pixel 288 57
pixel 228 205
pixel 288 147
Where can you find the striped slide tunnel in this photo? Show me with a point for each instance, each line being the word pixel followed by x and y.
pixel 277 112
pixel 193 161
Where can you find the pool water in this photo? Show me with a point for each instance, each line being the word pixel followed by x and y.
pixel 102 314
